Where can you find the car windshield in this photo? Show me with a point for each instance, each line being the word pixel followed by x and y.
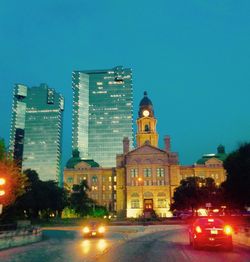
pixel 209 222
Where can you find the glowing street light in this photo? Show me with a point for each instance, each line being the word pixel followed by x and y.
pixel 2 183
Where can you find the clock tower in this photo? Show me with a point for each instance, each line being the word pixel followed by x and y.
pixel 146 123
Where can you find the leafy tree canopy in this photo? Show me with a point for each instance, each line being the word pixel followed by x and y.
pixel 79 200
pixel 2 149
pixel 195 192
pixel 237 184
pixel 41 198
pixel 15 181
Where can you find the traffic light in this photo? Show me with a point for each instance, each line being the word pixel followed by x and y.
pixel 2 183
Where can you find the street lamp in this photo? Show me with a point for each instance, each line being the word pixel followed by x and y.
pixel 2 192
pixel 2 183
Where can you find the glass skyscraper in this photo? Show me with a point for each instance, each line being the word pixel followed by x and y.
pixel 102 113
pixel 38 112
pixel 18 122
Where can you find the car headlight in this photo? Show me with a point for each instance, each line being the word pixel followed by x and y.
pixel 101 229
pixel 85 230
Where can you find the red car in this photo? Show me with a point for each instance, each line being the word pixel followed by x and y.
pixel 210 232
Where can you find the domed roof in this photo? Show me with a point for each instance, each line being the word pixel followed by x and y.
pixel 221 155
pixel 145 100
pixel 75 159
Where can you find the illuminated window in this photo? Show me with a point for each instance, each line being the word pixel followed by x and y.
pixel 160 182
pixel 160 172
pixel 135 203
pixel 94 179
pixel 161 203
pixel 134 172
pixel 147 172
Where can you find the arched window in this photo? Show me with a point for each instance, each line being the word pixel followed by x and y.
pixel 134 195
pixel 94 179
pixel 148 194
pixel 146 128
pixel 161 194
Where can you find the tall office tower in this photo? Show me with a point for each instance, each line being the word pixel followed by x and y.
pixel 102 113
pixel 18 123
pixel 40 115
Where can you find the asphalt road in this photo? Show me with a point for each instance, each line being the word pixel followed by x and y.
pixel 121 244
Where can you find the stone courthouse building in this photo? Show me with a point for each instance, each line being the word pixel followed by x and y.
pixel 144 179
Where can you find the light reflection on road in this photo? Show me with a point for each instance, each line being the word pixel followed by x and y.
pixel 90 246
pixel 101 245
pixel 85 246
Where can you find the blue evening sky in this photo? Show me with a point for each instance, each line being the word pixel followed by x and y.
pixel 192 57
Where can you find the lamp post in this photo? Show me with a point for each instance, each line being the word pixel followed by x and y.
pixel 2 192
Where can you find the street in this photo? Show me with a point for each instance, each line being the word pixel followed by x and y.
pixel 124 243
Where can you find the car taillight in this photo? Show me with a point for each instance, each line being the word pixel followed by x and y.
pixel 198 229
pixel 228 230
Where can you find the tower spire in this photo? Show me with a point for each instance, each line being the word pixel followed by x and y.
pixel 146 123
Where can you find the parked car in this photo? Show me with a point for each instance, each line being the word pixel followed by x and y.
pixel 210 231
pixel 93 229
pixel 183 214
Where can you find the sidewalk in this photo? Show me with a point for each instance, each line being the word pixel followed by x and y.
pixel 242 237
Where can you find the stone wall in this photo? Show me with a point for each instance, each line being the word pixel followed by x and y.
pixel 19 237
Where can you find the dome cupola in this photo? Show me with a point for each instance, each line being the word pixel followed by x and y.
pixel 146 107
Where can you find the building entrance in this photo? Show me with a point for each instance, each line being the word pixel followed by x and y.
pixel 148 204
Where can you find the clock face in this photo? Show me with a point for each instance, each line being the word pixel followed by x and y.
pixel 145 113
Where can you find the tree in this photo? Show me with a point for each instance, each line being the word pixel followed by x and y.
pixel 195 192
pixel 237 184
pixel 79 200
pixel 41 198
pixel 14 180
pixel 2 149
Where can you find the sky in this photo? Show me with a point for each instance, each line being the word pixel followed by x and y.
pixel 192 57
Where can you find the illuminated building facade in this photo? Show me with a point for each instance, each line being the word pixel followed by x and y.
pixel 145 178
pixel 146 174
pixel 102 113
pixel 101 181
pixel 38 111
